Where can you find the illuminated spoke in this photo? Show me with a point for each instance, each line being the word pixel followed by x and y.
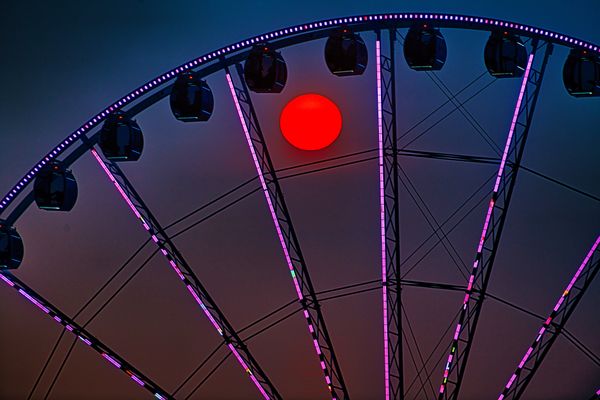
pixel 188 278
pixel 389 218
pixel 287 235
pixel 492 226
pixel 578 82
pixel 553 325
pixel 83 335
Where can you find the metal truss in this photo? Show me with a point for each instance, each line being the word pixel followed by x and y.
pixel 389 218
pixel 189 278
pixel 553 325
pixel 83 335
pixel 287 235
pixel 493 224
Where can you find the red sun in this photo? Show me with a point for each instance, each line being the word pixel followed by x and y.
pixel 310 122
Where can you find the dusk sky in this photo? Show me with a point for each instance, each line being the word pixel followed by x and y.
pixel 64 61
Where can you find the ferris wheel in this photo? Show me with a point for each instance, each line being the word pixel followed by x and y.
pixel 255 68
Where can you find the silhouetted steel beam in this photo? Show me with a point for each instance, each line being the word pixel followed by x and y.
pixel 287 234
pixel 188 277
pixel 493 224
pixel 553 325
pixel 389 217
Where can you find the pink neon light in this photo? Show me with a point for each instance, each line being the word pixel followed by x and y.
pixel 554 310
pixel 34 301
pixel 119 188
pixel 243 364
pixel 85 340
pixel 488 215
pixel 138 380
pixel 56 318
pixel 203 306
pixel 271 208
pixel 176 268
pixel 94 121
pixel 111 360
pixel 456 333
pixel 386 357
pixel 5 279
pixel 264 185
pixel 513 123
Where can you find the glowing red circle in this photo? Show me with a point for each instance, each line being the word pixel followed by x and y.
pixel 310 122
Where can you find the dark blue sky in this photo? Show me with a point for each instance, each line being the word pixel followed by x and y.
pixel 63 62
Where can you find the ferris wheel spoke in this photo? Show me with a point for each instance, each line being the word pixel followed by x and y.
pixel 493 224
pixel 553 326
pixel 188 277
pixel 286 234
pixel 389 217
pixel 82 334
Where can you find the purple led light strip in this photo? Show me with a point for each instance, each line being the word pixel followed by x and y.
pixel 277 224
pixel 440 20
pixel 548 321
pixel 264 186
pixel 386 356
pixel 81 334
pixel 487 220
pixel 176 268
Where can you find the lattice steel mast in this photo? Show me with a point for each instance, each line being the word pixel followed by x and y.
pixel 389 217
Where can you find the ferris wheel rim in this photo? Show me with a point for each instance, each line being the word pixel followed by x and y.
pixel 225 56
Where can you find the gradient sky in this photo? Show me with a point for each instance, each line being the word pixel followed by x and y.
pixel 63 62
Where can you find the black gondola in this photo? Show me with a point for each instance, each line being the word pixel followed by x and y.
pixel 11 247
pixel 505 55
pixel 55 187
pixel 425 48
pixel 581 74
pixel 346 53
pixel 121 138
pixel 265 70
pixel 191 99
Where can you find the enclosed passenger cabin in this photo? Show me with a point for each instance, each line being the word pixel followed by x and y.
pixel 121 138
pixel 191 99
pixel 55 187
pixel 581 74
pixel 11 247
pixel 346 53
pixel 265 70
pixel 425 48
pixel 505 55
